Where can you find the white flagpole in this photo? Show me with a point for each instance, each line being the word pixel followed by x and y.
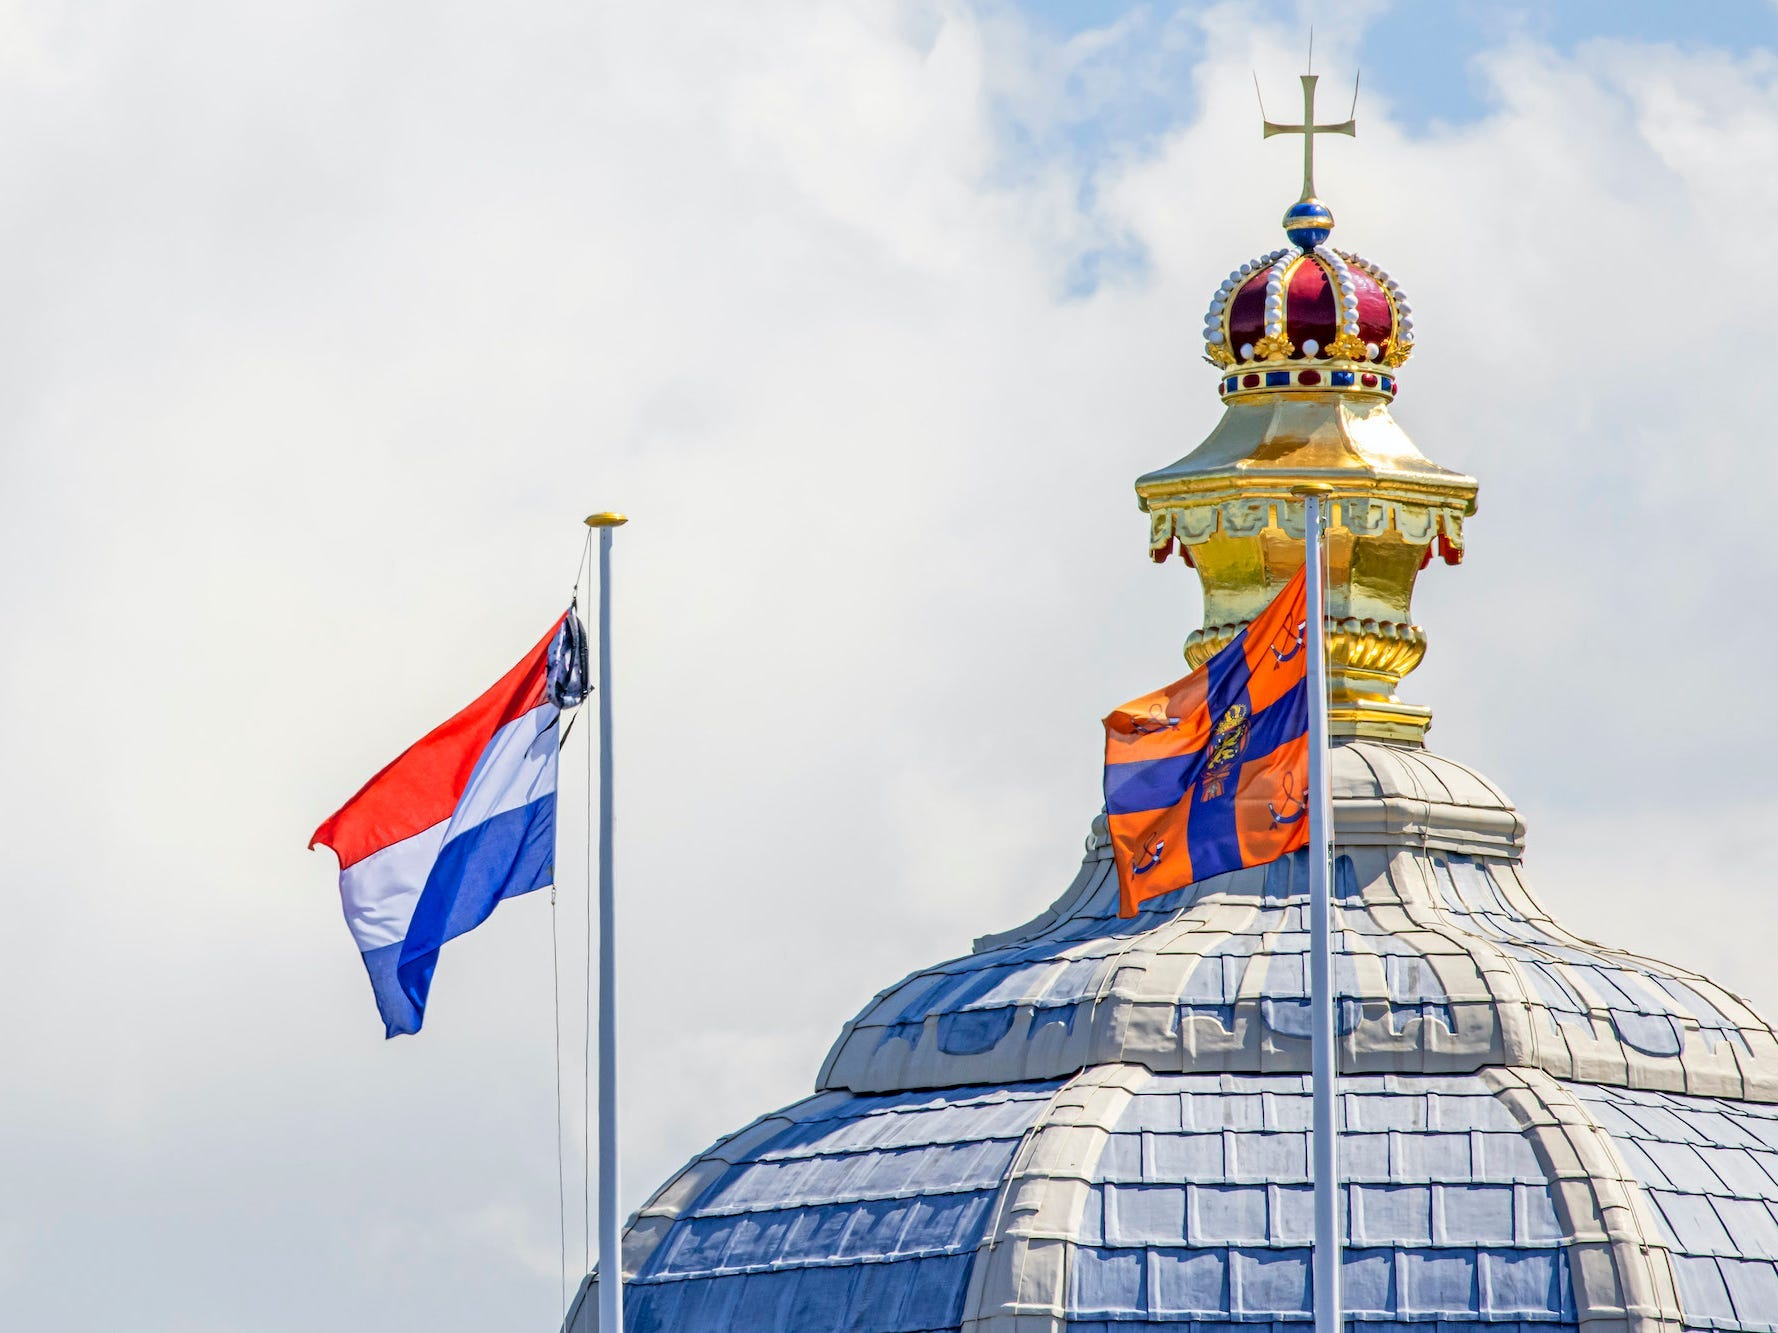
pixel 1324 1144
pixel 611 1286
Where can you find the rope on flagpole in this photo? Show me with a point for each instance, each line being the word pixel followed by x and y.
pixel 555 978
pixel 555 972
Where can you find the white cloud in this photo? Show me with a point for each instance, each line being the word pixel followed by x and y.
pixel 326 324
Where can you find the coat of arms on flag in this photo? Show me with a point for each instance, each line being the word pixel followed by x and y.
pixel 1211 773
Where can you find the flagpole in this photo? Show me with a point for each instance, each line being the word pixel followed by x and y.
pixel 611 1286
pixel 1329 1308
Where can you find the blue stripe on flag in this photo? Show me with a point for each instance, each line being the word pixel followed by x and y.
pixel 1284 719
pixel 1228 674
pixel 1150 784
pixel 502 857
pixel 399 1014
pixel 1213 833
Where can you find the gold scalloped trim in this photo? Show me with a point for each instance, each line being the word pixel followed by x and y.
pixel 1375 647
pixel 1244 516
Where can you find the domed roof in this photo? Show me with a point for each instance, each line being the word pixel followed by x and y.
pixel 1446 962
pixel 1091 1123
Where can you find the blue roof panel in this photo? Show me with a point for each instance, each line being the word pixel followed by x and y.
pixel 1449 1212
pixel 1525 1283
pixel 1387 1214
pixel 1269 1282
pixel 862 1215
pixel 1137 1215
pixel 1223 1214
pixel 1712 1184
pixel 1753 1288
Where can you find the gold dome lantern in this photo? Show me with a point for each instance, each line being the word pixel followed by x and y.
pixel 1307 341
pixel 1231 509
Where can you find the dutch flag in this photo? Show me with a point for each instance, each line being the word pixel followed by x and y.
pixel 464 817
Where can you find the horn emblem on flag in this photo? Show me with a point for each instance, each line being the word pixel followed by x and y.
pixel 1151 857
pixel 1296 646
pixel 1290 798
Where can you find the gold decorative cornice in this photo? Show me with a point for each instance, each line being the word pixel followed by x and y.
pixel 1180 524
pixel 1229 509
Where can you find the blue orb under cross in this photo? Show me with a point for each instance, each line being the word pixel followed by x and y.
pixel 1308 223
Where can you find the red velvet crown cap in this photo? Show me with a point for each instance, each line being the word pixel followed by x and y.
pixel 1310 311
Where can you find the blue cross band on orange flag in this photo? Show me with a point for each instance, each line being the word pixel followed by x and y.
pixel 1211 773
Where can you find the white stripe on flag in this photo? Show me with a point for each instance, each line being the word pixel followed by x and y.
pixel 518 767
pixel 380 891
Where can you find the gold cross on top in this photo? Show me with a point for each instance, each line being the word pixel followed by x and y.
pixel 1309 129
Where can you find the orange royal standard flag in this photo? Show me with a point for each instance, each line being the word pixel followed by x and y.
pixel 1211 773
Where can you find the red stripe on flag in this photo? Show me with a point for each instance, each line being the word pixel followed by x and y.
pixel 422 785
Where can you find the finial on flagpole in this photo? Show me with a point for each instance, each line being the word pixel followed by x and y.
pixel 1314 490
pixel 606 519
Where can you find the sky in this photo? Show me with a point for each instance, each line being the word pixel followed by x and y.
pixel 325 324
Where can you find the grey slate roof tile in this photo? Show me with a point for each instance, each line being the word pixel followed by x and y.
pixel 1365 1157
pixel 1110 1281
pixel 1526 1284
pixel 1478 1215
pixel 1292 1214
pixel 1742 1171
pixel 1268 1282
pixel 1188 1282
pixel 1682 1166
pixel 1534 1216
pixel 1432 1156
pixel 1437 1281
pixel 1144 1214
pixel 1177 1158
pixel 1753 1289
pixel 1368 1281
pixel 1692 1222
pixel 1386 1214
pixel 1218 1214
pixel 1704 1294
pixel 1261 1156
